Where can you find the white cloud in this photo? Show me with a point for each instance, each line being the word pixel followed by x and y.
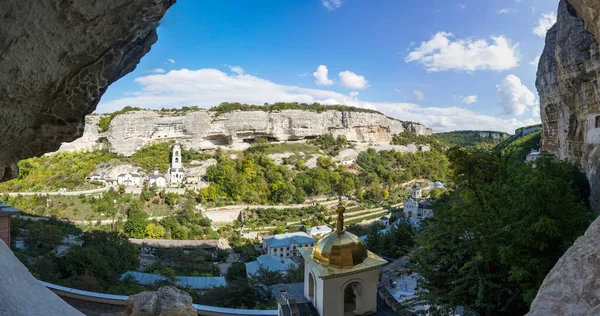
pixel 397 90
pixel 172 61
pixel 462 6
pixel 513 96
pixel 505 11
pixel 469 99
pixel 237 69
pixel 157 71
pixel 544 24
pixel 441 54
pixel 535 62
pixel 350 80
pixel 535 111
pixel 321 78
pixel 443 119
pixel 418 95
pixel 332 4
pixel 209 87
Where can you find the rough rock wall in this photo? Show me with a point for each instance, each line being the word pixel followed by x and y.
pixel 567 82
pixel 131 131
pixel 589 11
pixel 570 102
pixel 57 57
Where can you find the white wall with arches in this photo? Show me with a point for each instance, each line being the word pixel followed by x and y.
pixel 328 294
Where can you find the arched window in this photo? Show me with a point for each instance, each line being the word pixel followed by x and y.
pixel 351 295
pixel 311 287
pixel 597 122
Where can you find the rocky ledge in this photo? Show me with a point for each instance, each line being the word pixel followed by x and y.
pixel 201 129
pixel 56 60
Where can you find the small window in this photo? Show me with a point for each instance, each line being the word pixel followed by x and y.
pixel 597 122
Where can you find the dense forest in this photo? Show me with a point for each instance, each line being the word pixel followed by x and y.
pixel 253 178
pixel 471 138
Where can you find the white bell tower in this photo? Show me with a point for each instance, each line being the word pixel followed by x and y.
pixel 176 156
pixel 176 172
pixel 416 192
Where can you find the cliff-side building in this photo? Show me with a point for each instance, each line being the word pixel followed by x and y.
pixel 287 245
pixel 129 179
pixel 157 180
pixel 417 207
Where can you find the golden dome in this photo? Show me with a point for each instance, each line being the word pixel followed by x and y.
pixel 342 251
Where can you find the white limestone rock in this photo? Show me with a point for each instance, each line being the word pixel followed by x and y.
pixel 199 170
pixel 278 158
pixel 202 129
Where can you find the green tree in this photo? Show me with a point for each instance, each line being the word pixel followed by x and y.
pixel 171 198
pixel 154 231
pixel 237 271
pixel 136 224
pixel 492 241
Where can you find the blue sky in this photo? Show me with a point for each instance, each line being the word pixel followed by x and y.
pixel 448 64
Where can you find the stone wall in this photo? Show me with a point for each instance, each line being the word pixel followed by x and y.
pixel 202 129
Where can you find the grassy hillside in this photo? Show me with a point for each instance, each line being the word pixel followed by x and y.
pixel 60 170
pixel 519 146
pixel 470 138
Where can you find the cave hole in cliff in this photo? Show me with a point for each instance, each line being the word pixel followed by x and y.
pixel 571 10
pixel 218 140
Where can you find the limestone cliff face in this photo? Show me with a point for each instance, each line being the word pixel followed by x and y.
pixel 567 81
pixel 589 11
pixel 568 85
pixel 56 60
pixel 493 135
pixel 201 129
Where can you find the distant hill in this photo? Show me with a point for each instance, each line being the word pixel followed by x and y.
pixel 520 144
pixel 520 133
pixel 478 139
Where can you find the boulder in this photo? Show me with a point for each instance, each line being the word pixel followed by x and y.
pixel 167 301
